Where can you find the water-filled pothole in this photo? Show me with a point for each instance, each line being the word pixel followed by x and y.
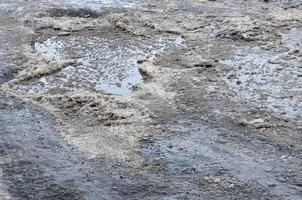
pixel 107 64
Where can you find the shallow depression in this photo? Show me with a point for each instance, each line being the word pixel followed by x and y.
pixel 102 64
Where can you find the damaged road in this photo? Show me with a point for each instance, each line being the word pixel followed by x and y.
pixel 174 99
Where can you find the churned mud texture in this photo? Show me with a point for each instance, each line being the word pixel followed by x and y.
pixel 129 99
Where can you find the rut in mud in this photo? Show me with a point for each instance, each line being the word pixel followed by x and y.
pixel 175 99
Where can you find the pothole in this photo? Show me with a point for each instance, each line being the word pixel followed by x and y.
pixel 103 63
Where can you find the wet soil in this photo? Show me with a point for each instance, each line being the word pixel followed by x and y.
pixel 175 99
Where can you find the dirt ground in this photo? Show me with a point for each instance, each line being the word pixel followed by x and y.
pixel 153 99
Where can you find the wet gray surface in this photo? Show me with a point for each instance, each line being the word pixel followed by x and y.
pixel 36 163
pixel 24 130
pixel 199 149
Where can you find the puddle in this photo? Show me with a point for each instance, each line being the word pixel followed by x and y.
pixel 262 78
pixel 97 4
pixel 108 65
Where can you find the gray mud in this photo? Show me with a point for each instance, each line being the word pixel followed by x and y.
pixel 126 99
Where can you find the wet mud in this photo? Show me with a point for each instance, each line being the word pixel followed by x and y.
pixel 176 99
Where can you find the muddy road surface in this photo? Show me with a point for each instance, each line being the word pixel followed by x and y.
pixel 172 99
